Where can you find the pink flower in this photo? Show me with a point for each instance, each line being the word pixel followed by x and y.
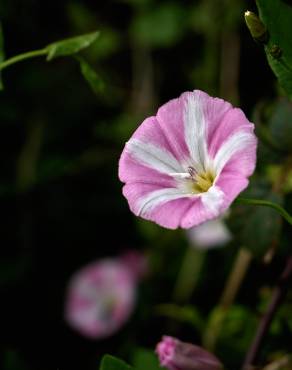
pixel 188 163
pixel 176 355
pixel 101 296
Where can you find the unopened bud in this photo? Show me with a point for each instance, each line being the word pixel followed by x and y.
pixel 176 355
pixel 256 27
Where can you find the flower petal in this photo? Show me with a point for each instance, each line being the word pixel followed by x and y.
pixel 147 157
pixel 214 111
pixel 232 121
pixel 131 171
pixel 146 197
pixel 243 142
pixel 157 198
pixel 231 185
pixel 156 204
pixel 170 214
pixel 170 117
pixel 152 156
pixel 207 206
pixel 213 199
pixel 195 130
pixel 184 122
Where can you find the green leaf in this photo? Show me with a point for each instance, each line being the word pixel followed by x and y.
pixel 277 17
pixel 145 359
pixel 93 79
pixel 70 46
pixel 109 362
pixel 261 227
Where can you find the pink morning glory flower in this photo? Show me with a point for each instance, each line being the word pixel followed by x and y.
pixel 188 163
pixel 176 355
pixel 101 296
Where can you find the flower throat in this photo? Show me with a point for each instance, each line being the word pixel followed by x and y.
pixel 201 182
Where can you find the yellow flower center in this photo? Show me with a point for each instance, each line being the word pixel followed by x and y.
pixel 201 182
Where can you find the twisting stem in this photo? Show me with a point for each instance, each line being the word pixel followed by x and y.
pixel 20 57
pixel 266 203
pixel 277 298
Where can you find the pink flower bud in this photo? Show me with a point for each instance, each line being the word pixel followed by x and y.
pixel 101 297
pixel 176 355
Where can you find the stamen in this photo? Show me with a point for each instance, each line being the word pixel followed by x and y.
pixel 200 182
pixel 192 172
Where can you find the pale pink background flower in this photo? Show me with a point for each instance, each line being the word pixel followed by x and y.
pixel 176 355
pixel 101 296
pixel 188 163
pixel 213 233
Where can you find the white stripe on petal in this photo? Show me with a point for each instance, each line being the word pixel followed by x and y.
pixel 153 157
pixel 212 199
pixel 180 175
pixel 233 144
pixel 196 132
pixel 159 197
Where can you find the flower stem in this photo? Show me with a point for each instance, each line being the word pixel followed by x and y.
pixel 277 298
pixel 20 57
pixel 236 277
pixel 266 203
pixel 189 273
pixel 232 286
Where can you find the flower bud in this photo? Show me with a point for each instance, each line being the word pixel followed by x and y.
pixel 176 355
pixel 256 27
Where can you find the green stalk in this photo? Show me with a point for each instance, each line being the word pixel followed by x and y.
pixel 266 203
pixel 20 57
pixel 189 273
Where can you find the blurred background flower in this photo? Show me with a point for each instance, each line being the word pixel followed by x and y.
pixel 213 233
pixel 101 296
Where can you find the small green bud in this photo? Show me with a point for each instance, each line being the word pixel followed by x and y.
pixel 256 27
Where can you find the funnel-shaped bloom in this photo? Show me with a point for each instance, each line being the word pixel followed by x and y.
pixel 189 162
pixel 176 355
pixel 101 296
